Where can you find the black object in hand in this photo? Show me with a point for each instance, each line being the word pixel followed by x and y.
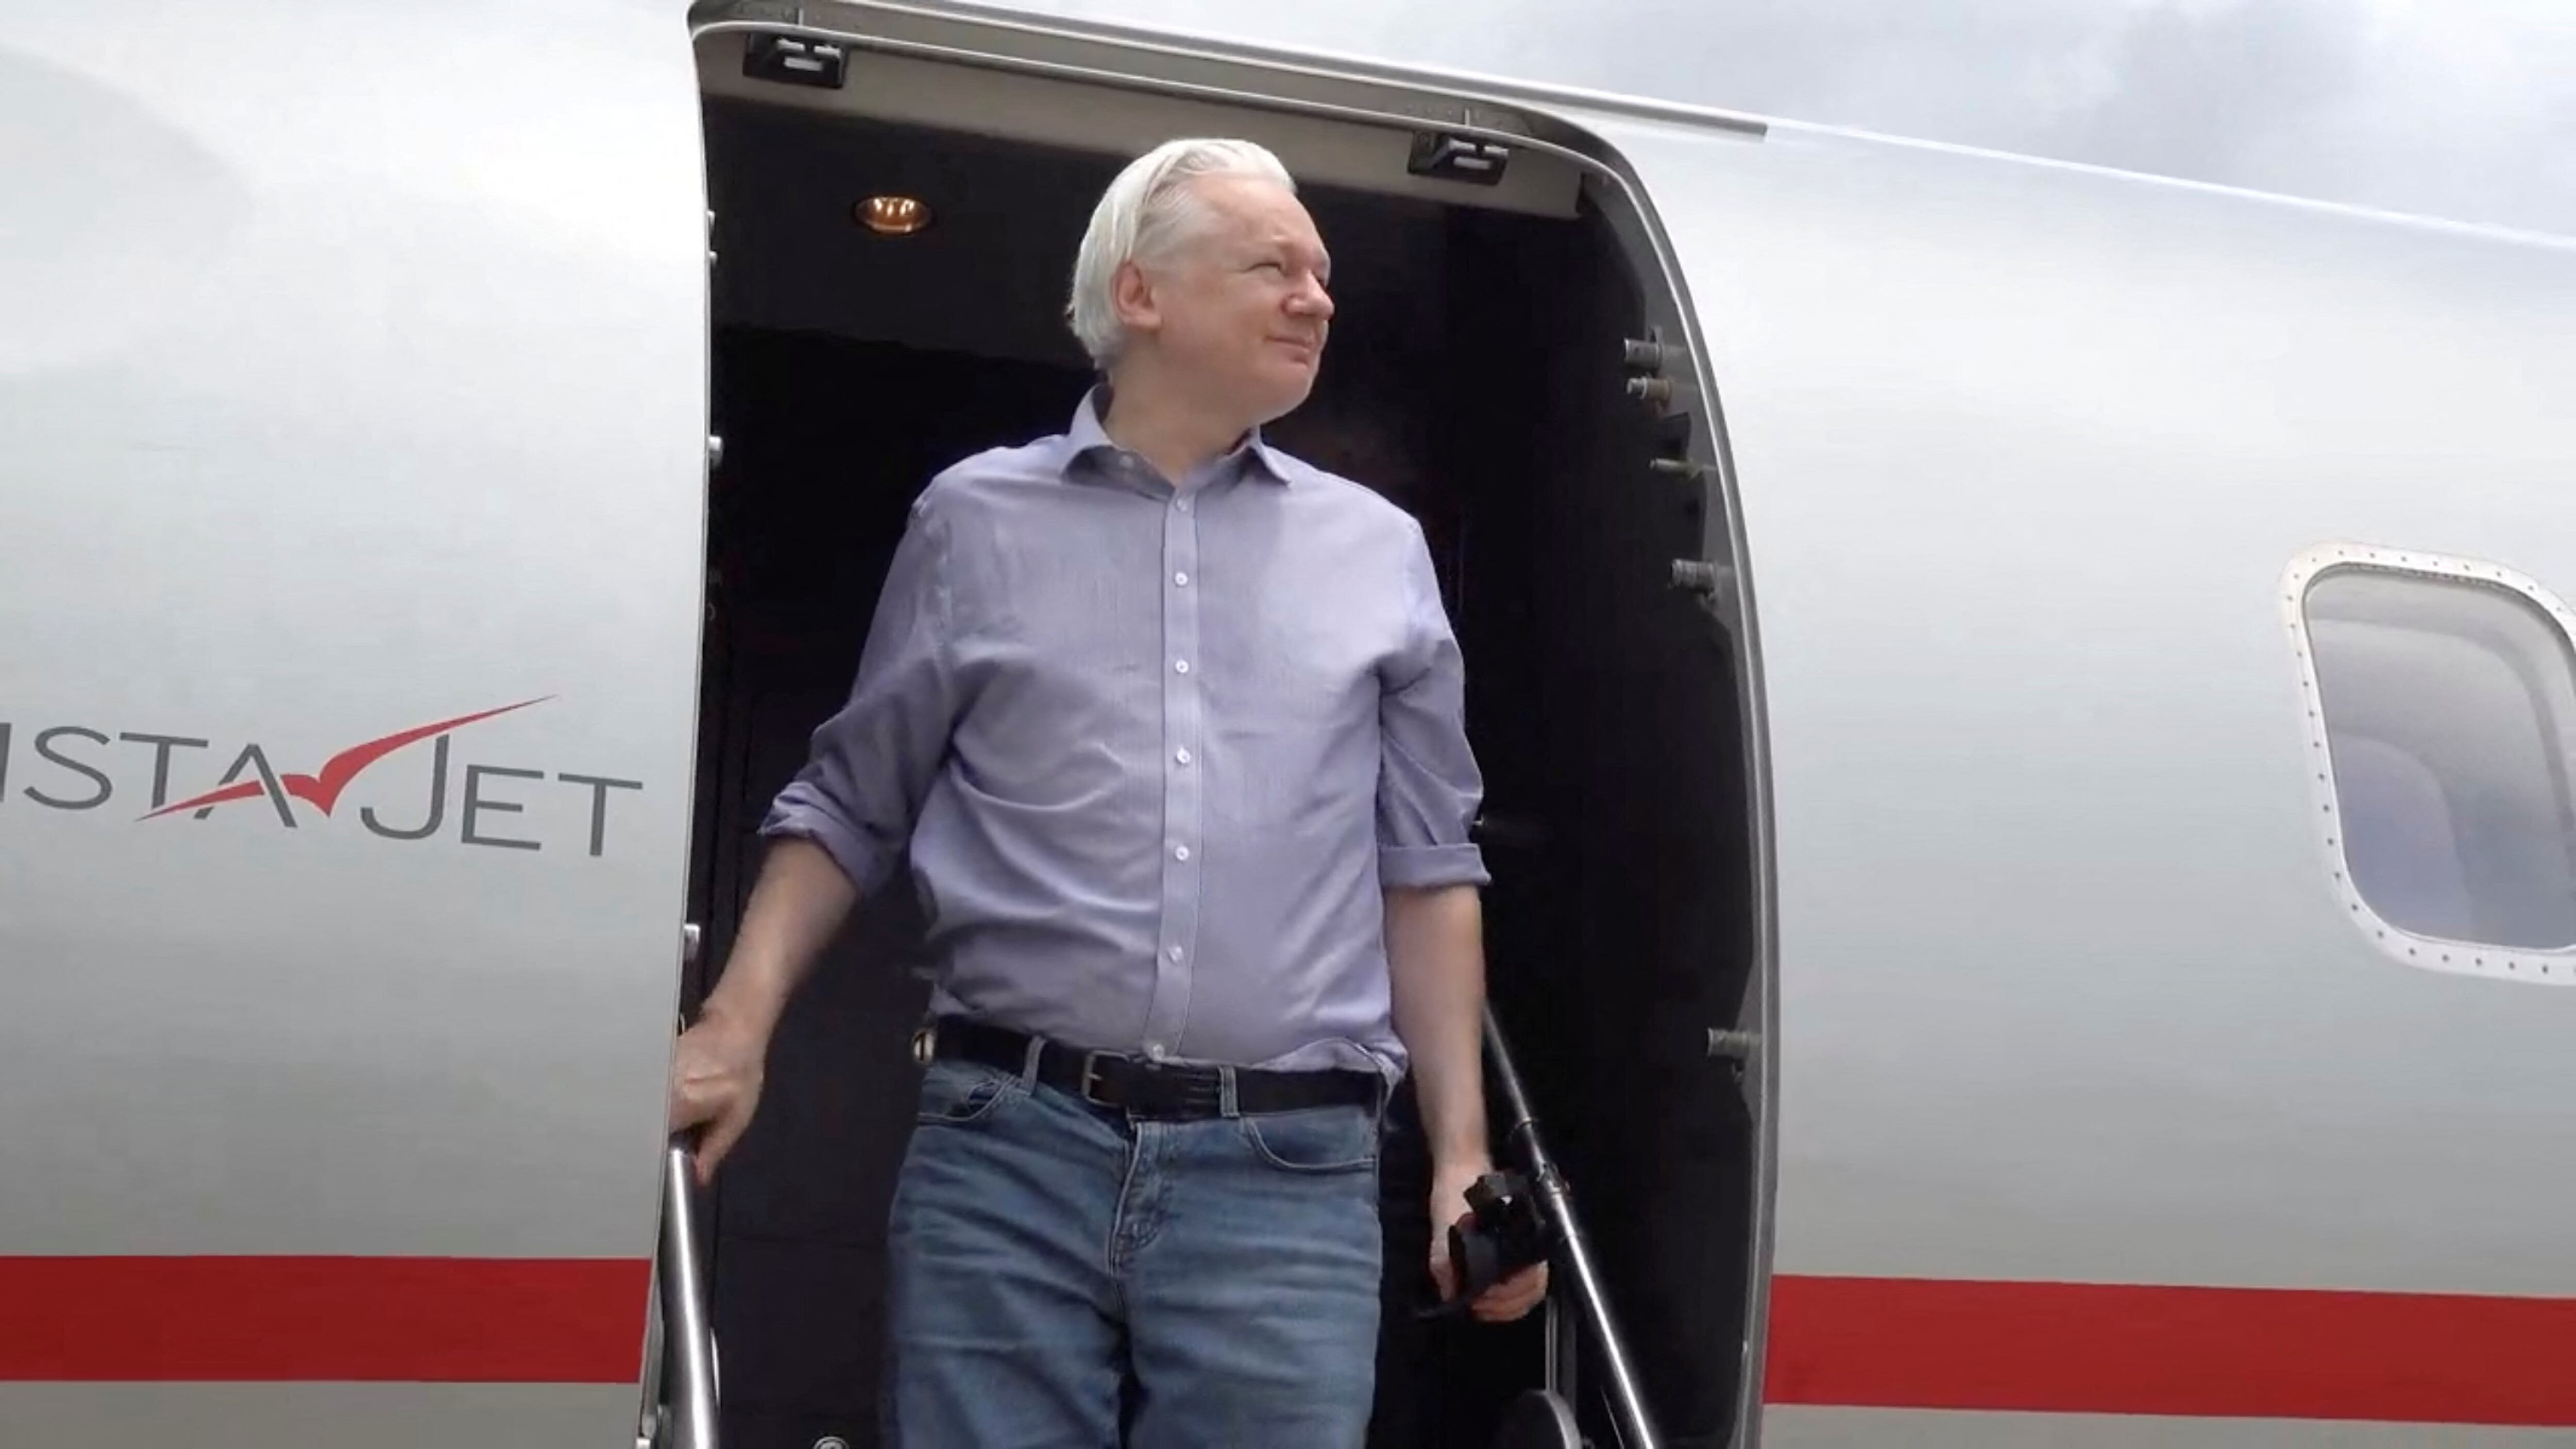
pixel 1503 1232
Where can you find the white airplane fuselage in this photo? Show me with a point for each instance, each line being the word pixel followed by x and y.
pixel 2153 1007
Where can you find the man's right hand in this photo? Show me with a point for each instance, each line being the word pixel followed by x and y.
pixel 800 899
pixel 715 1081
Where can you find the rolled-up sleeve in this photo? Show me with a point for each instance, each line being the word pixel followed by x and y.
pixel 873 760
pixel 1429 785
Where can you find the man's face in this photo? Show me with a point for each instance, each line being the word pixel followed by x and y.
pixel 1240 308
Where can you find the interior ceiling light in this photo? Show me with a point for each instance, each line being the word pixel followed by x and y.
pixel 892 215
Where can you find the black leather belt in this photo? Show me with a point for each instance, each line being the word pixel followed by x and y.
pixel 1146 1088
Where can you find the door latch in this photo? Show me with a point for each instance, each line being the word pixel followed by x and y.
pixel 1736 1045
pixel 796 60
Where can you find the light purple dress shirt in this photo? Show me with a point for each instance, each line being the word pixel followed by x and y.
pixel 1155 751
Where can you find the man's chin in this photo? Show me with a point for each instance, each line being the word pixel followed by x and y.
pixel 1284 401
pixel 1294 379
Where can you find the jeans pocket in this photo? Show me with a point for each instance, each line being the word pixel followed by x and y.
pixel 1314 1139
pixel 960 1094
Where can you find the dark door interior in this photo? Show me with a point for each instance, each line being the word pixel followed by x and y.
pixel 826 444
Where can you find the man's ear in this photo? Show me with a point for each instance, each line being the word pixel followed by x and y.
pixel 1137 307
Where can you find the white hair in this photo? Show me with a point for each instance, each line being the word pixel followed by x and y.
pixel 1143 213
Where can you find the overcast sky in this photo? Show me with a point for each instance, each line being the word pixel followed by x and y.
pixel 2463 109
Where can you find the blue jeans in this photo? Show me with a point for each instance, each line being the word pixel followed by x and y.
pixel 1061 1277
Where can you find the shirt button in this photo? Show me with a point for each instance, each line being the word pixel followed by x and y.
pixel 1180 852
pixel 1174 953
pixel 1181 755
pixel 1180 666
pixel 1185 505
pixel 1154 1050
pixel 1182 579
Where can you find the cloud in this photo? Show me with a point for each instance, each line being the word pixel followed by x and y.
pixel 2463 109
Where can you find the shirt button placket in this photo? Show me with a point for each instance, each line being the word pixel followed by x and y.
pixel 1167 1015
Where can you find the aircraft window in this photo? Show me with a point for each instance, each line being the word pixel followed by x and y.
pixel 2442 705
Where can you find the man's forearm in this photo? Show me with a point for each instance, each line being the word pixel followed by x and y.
pixel 1436 970
pixel 800 900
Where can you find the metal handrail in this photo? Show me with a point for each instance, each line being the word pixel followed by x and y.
pixel 1580 1276
pixel 688 1334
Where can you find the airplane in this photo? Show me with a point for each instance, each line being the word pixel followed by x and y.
pixel 2028 714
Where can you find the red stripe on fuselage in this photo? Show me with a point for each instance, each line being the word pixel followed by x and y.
pixel 1858 1342
pixel 2253 1353
pixel 355 1319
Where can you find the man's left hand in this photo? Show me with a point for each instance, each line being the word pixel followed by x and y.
pixel 1505 1301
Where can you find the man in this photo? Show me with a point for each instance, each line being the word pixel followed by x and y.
pixel 1171 724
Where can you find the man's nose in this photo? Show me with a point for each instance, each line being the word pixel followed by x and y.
pixel 1312 300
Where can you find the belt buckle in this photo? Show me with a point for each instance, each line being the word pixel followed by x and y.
pixel 925 1044
pixel 1085 1085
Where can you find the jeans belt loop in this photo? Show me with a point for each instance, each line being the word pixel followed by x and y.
pixel 1029 1060
pixel 1226 1099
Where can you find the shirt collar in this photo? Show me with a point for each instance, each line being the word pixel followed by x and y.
pixel 1085 435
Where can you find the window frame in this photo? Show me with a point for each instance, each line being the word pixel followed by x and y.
pixel 2407 948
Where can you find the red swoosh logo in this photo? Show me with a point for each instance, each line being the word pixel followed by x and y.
pixel 322 790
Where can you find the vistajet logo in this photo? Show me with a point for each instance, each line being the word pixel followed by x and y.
pixel 87 771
